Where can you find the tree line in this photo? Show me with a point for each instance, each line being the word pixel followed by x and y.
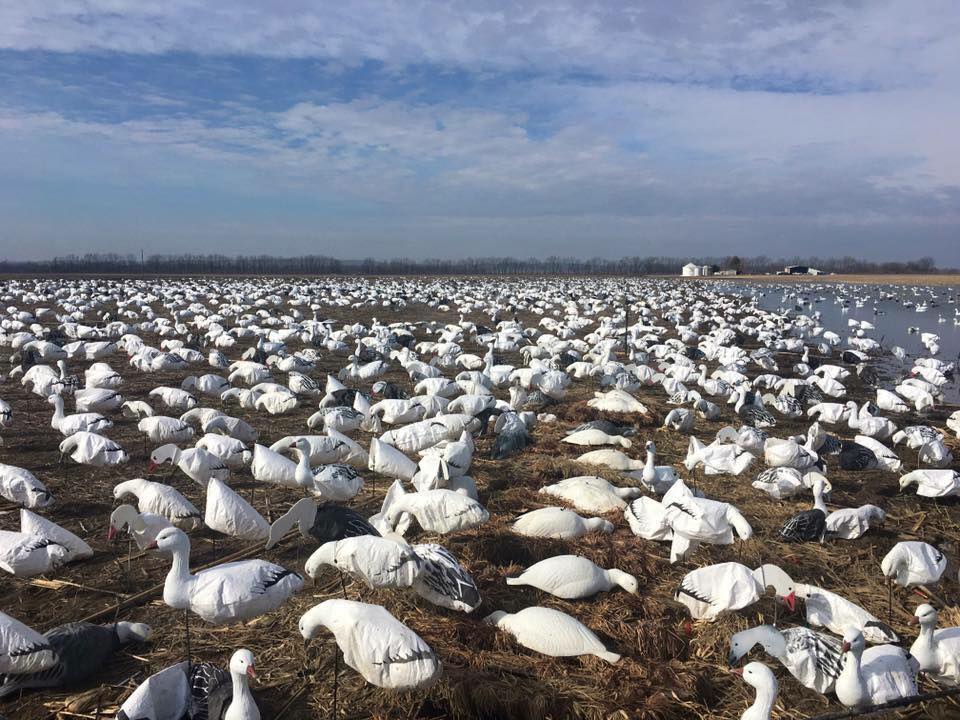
pixel 215 264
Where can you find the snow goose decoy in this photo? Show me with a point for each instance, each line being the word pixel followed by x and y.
pixel 760 677
pixel 591 494
pixel 378 561
pixel 39 547
pixel 443 580
pixel 196 463
pixel 812 657
pixel 851 523
pixel 70 424
pixel 233 592
pixel 932 483
pixel 937 651
pixel 823 608
pixel 87 448
pixel 753 414
pixel 383 650
pixel 22 649
pixel 80 650
pixel 21 487
pixel 161 429
pixel 321 523
pixel 708 591
pixel 200 691
pixel 143 527
pixel 594 436
pixel 551 632
pixel 656 478
pixel 872 677
pixel 228 513
pixel 913 563
pixel 572 577
pixel 160 499
pixel 559 523
pixel 436 511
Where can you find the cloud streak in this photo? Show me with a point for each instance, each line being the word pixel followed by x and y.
pixel 585 128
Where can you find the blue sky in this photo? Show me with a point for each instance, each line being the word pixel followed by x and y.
pixel 477 128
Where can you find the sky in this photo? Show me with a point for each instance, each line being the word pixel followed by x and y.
pixel 482 127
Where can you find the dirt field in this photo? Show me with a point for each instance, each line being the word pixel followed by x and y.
pixel 671 668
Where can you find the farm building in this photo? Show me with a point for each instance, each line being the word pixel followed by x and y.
pixel 694 270
pixel 801 270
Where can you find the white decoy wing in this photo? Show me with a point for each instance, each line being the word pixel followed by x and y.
pixel 228 513
pixel 22 649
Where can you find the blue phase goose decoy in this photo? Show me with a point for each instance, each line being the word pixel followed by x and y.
pixel 80 651
pixel 321 523
pixel 809 525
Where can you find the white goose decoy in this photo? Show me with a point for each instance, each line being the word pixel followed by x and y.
pixel 656 478
pixel 613 459
pixel 383 650
pixel 591 494
pixel 709 591
pixel 87 448
pixel 39 547
pixel 593 436
pixel 551 632
pixel 21 487
pixel 378 561
pixel 760 677
pixel 812 657
pixel 559 523
pixel 70 424
pixel 136 409
pixel 228 593
pixel 932 483
pixel 98 400
pixel 161 429
pixel 231 451
pixel 573 577
pixel 160 499
pixel 913 563
pixel 143 527
pixel 875 676
pixel 937 651
pixel 228 513
pixel 196 463
pixel 618 401
pixel 22 649
pixel 851 523
pixel 823 608
pixel 436 511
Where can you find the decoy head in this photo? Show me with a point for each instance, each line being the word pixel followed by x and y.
pixel 312 620
pixel 242 663
pixel 119 519
pixel 323 555
pixel 924 616
pixel 170 539
pixel 494 618
pixel 133 632
pixel 852 641
pixel 164 453
pixel 625 580
pixel 758 675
